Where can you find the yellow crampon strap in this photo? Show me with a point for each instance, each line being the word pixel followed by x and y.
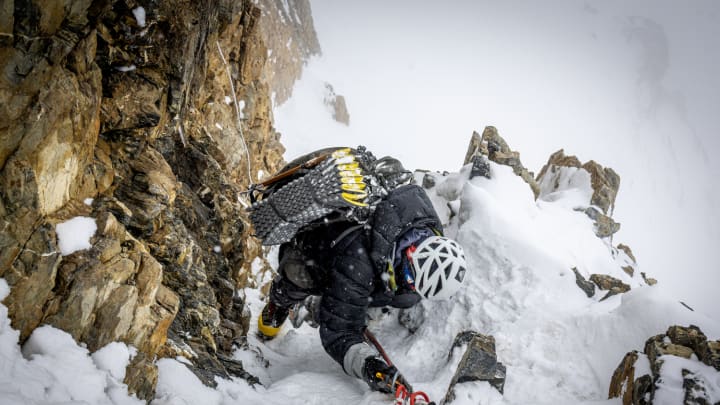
pixel 352 180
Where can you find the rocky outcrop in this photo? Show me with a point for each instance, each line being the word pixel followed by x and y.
pixel 492 145
pixel 587 286
pixel 610 284
pixel 563 171
pixel 336 104
pixel 642 377
pixel 478 363
pixel 163 122
pixel 604 181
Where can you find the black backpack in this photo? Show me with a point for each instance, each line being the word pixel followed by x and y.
pixel 331 182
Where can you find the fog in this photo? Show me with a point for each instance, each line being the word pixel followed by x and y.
pixel 630 84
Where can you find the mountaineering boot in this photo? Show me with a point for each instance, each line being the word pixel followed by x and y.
pixel 306 312
pixel 271 319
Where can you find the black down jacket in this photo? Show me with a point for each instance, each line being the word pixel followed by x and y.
pixel 351 262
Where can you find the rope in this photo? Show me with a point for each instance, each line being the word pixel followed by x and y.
pixel 237 112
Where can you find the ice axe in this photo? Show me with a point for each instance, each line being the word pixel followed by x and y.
pixel 402 395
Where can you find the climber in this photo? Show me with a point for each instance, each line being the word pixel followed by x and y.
pixel 396 258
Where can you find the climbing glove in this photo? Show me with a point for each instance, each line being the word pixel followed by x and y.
pixel 382 377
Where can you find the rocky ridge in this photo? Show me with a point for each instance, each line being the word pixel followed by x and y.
pixel 561 173
pixel 638 378
pixel 151 117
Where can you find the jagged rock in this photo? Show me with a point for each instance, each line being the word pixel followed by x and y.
pixel 685 342
pixel 629 270
pixel 605 282
pixel 492 145
pixel 112 292
pixel 336 104
pixel 604 225
pixel 141 376
pixel 585 285
pixel 610 284
pixel 480 167
pixel 707 351
pixel 628 251
pixel 138 119
pixel 479 363
pixel 623 379
pixel 643 390
pixel 604 181
pixel 648 280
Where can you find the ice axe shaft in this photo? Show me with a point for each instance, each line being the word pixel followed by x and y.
pixel 402 396
pixel 371 338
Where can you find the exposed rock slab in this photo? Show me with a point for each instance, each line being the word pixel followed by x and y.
pixel 478 363
pixel 639 387
pixel 587 286
pixel 610 284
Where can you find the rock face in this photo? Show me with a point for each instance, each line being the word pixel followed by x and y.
pixel 479 363
pixel 492 145
pixel 139 116
pixel 563 171
pixel 288 32
pixel 639 377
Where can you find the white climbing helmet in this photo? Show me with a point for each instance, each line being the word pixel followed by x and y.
pixel 440 267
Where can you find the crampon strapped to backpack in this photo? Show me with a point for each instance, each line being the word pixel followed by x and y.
pixel 339 181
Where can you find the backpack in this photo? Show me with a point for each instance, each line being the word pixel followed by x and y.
pixel 341 183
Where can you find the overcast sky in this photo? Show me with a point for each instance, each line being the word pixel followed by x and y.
pixel 630 84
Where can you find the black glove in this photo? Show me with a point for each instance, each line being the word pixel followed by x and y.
pixel 383 378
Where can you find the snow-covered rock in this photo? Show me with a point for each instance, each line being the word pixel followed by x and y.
pixel 680 366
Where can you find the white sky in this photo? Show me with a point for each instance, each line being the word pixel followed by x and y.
pixel 632 85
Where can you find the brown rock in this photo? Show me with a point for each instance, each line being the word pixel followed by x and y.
pixel 604 225
pixel 648 280
pixel 605 282
pixel 587 286
pixel 336 104
pixel 604 181
pixel 623 379
pixel 492 145
pixel 479 363
pixel 141 376
pixel 627 251
pixel 628 270
pixel 678 341
pixel 163 156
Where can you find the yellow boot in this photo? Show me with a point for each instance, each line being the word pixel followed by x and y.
pixel 270 320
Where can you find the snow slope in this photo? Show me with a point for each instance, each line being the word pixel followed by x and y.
pixel 630 84
pixel 559 346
